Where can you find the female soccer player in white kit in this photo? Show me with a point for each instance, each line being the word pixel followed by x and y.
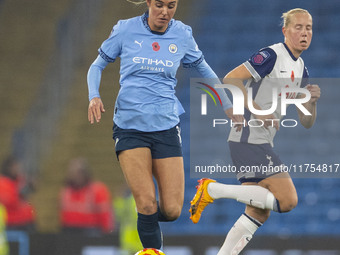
pixel 278 65
pixel 146 116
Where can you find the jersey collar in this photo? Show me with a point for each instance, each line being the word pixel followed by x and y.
pixel 145 22
pixel 290 53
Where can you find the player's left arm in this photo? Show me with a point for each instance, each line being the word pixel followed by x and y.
pixel 308 120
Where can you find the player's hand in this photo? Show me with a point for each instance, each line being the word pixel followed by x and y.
pixel 96 108
pixel 315 93
pixel 239 119
pixel 269 121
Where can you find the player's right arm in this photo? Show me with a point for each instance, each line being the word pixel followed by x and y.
pixel 96 106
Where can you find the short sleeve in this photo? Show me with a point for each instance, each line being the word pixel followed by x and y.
pixel 261 63
pixel 193 56
pixel 111 47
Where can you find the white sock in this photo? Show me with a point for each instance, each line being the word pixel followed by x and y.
pixel 253 195
pixel 239 235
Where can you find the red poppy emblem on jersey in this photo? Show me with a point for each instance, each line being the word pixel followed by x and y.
pixel 155 46
pixel 258 59
pixel 292 76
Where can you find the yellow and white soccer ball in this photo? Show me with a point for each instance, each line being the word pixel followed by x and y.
pixel 150 251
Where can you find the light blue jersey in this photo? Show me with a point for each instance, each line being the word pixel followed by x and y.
pixel 149 62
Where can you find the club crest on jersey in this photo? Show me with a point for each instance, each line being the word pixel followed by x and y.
pixel 155 46
pixel 173 48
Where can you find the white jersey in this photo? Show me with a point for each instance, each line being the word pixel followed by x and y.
pixel 271 67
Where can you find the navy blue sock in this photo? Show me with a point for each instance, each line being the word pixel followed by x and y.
pixel 149 230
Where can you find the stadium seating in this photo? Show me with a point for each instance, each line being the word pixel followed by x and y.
pixel 23 59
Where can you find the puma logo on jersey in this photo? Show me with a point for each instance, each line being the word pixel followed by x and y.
pixel 139 43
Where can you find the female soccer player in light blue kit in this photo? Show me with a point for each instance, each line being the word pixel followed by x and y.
pixel 146 116
pixel 279 65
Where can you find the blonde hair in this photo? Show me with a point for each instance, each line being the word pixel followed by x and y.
pixel 287 16
pixel 137 2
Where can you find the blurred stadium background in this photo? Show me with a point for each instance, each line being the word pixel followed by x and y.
pixel 46 48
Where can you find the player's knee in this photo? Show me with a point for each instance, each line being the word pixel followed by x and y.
pixel 146 205
pixel 289 203
pixel 171 213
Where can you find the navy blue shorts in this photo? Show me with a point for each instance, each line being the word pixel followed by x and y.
pixel 254 162
pixel 162 144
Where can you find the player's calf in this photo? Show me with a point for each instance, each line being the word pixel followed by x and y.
pixel 261 215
